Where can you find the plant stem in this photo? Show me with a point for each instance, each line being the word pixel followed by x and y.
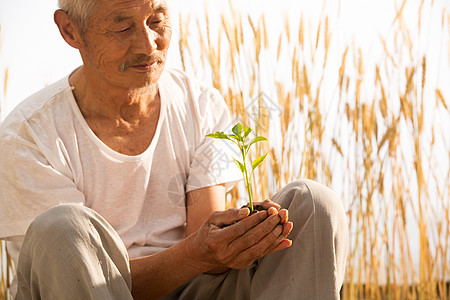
pixel 247 180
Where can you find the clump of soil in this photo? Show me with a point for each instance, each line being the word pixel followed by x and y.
pixel 256 208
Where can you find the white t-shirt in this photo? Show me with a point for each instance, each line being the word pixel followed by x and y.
pixel 49 155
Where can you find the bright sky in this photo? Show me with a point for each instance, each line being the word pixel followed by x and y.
pixel 36 55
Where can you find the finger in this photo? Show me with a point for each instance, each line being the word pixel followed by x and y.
pixel 261 248
pixel 284 215
pixel 268 203
pixel 219 239
pixel 272 211
pixel 255 234
pixel 238 229
pixel 227 217
pixel 281 246
pixel 287 227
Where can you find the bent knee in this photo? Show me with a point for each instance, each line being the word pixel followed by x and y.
pixel 313 198
pixel 62 218
pixel 326 201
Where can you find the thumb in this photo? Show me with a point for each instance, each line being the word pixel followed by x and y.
pixel 228 217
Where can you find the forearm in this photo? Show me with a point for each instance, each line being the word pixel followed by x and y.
pixel 157 275
pixel 201 203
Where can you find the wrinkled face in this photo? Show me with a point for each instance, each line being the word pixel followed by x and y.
pixel 126 42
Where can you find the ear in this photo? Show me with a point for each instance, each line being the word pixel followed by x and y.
pixel 69 29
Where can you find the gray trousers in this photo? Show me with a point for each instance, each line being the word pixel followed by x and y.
pixel 71 252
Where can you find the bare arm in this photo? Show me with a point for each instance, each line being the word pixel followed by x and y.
pixel 156 275
pixel 201 203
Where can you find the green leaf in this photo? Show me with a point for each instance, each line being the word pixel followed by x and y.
pixel 240 165
pixel 247 131
pixel 256 139
pixel 257 161
pixel 234 137
pixel 218 135
pixel 237 130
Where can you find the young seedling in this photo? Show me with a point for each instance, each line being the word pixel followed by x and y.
pixel 239 137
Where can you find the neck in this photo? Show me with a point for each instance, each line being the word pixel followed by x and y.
pixel 114 103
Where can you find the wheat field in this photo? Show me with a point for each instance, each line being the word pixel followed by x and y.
pixel 373 129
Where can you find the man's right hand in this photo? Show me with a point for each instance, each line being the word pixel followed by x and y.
pixel 217 244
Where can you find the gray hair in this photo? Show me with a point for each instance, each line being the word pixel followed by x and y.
pixel 79 11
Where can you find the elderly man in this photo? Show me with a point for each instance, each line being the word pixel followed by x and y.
pixel 108 188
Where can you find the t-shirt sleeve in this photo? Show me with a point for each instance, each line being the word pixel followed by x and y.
pixel 29 183
pixel 212 161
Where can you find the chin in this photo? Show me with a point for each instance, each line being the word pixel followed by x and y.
pixel 145 79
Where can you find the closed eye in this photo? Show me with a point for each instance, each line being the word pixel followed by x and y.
pixel 125 29
pixel 156 19
pixel 156 22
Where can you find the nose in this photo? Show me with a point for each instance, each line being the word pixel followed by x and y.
pixel 145 41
